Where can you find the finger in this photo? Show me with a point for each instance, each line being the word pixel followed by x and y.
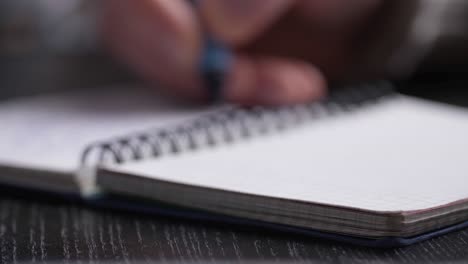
pixel 238 21
pixel 330 52
pixel 160 39
pixel 273 81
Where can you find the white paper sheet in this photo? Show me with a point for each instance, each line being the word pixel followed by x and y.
pixel 401 155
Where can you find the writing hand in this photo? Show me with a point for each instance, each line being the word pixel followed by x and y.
pixel 285 51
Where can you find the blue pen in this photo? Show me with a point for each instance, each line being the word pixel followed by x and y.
pixel 215 62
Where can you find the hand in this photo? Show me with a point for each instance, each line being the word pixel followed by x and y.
pixel 286 51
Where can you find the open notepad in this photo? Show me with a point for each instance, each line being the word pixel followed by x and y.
pixel 367 162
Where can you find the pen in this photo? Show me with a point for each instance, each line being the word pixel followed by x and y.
pixel 214 64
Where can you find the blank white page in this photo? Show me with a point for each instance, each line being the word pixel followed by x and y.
pixel 400 155
pixel 50 132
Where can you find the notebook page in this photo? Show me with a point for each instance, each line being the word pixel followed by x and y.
pixel 50 132
pixel 403 154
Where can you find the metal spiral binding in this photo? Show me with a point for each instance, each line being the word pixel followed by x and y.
pixel 229 125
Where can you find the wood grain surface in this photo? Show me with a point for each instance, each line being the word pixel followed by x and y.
pixel 44 231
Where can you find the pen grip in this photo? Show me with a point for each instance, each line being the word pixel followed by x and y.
pixel 214 64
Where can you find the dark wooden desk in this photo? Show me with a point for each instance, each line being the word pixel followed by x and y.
pixel 39 231
pixel 44 231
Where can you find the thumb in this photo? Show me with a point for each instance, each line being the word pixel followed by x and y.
pixel 237 22
pixel 159 39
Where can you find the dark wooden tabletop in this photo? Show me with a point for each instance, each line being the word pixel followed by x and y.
pixel 44 230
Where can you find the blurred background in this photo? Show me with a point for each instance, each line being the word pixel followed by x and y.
pixel 48 45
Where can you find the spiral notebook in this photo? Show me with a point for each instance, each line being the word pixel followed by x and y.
pixel 366 165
